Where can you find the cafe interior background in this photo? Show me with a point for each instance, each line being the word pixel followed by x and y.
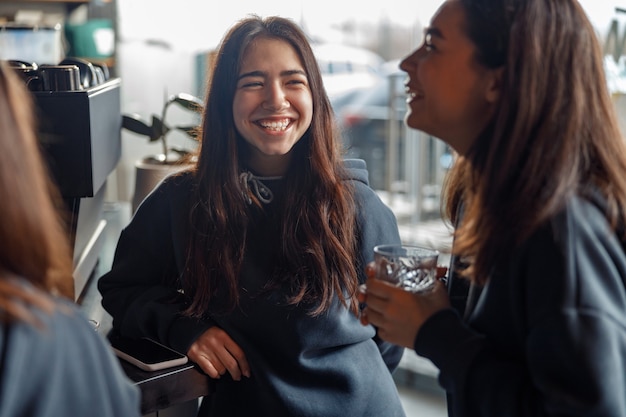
pixel 158 50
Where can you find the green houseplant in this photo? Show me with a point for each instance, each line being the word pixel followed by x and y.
pixel 158 130
pixel 151 169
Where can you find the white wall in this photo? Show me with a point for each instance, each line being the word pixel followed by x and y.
pixel 149 75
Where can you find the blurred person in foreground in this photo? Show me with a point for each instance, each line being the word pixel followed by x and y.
pixel 52 362
pixel 538 195
pixel 250 262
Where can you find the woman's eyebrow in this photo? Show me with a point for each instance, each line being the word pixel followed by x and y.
pixel 285 73
pixel 433 32
pixel 293 72
pixel 251 74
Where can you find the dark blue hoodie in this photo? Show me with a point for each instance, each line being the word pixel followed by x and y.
pixel 323 366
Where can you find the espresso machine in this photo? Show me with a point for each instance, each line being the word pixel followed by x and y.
pixel 79 123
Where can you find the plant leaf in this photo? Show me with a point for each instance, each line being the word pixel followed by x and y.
pixel 134 123
pixel 191 131
pixel 180 151
pixel 188 101
pixel 159 129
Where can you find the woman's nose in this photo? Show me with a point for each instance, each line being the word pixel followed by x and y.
pixel 275 98
pixel 410 62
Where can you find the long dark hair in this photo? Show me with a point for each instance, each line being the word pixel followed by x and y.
pixel 317 236
pixel 34 241
pixel 555 133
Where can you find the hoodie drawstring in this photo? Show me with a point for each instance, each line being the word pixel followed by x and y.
pixel 252 184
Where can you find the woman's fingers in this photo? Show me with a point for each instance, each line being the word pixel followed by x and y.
pixel 441 271
pixel 235 360
pixel 378 288
pixel 363 317
pixel 389 316
pixel 216 353
pixel 208 366
pixel 399 314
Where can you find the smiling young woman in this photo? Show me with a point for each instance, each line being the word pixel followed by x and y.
pixel 273 104
pixel 538 198
pixel 250 262
pixel 452 95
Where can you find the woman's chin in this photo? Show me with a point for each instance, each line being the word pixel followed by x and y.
pixel 412 121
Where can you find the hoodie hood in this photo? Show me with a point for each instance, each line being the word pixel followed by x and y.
pixel 356 170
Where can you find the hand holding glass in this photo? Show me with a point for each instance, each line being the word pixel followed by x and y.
pixel 411 268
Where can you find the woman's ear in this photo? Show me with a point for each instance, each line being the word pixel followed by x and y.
pixel 494 84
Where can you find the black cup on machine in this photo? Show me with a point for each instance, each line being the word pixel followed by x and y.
pixel 29 73
pixel 32 79
pixel 87 71
pixel 60 78
pixel 49 77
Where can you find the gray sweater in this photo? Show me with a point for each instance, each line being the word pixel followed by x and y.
pixel 62 369
pixel 324 366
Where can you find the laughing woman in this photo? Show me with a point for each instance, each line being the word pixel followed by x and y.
pixel 517 88
pixel 250 262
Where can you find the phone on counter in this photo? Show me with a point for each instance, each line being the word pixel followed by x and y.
pixel 145 353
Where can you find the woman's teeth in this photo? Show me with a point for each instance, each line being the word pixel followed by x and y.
pixel 278 126
pixel 413 93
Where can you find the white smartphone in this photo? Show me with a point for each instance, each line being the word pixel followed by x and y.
pixel 146 354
